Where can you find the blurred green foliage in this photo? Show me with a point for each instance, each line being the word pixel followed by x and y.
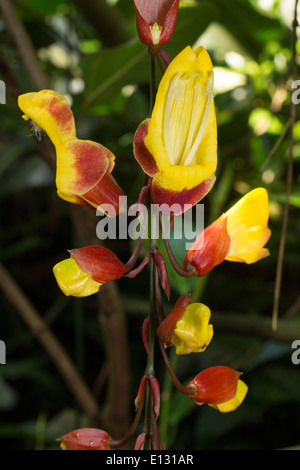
pixel 250 46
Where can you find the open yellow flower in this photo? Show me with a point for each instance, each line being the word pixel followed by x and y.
pixel 177 146
pixel 192 332
pixel 247 226
pixel 83 170
pixel 186 327
pixel 239 235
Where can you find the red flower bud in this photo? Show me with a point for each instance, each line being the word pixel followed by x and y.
pixel 156 395
pixel 159 259
pixel 100 263
pixel 209 249
pixel 85 439
pixel 141 394
pixel 166 328
pixel 215 385
pixel 140 441
pixel 155 20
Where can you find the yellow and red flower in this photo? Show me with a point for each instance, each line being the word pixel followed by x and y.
pixel 238 235
pixel 155 20
pixel 219 387
pixel 177 146
pixel 186 327
pixel 83 173
pixel 86 270
pixel 85 439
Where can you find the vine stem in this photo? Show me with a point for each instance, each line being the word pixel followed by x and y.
pixel 279 269
pixel 180 387
pixel 189 272
pixel 149 430
pixel 120 443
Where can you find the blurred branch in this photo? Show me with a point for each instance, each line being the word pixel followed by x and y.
pixel 107 21
pixel 289 181
pixel 23 44
pixel 277 144
pixel 50 344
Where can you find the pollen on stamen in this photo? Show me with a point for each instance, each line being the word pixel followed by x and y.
pixel 36 130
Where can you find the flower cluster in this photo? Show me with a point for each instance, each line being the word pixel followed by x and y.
pixel 176 148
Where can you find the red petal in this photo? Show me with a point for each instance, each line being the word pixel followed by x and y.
pixel 166 328
pixel 106 193
pixel 141 153
pixel 140 441
pixel 86 439
pixel 215 385
pixel 162 12
pixel 145 331
pixel 209 249
pixel 90 163
pixel 156 395
pixel 164 278
pixel 100 263
pixel 187 197
pixel 141 394
pixel 169 23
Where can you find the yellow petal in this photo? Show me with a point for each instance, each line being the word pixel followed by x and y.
pixel 192 332
pixel 50 111
pixel 247 227
pixel 182 135
pixel 72 280
pixel 235 402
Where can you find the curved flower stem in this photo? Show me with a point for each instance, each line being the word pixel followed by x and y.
pixel 179 269
pixel 180 387
pixel 121 442
pixel 190 272
pixel 140 268
pixel 137 249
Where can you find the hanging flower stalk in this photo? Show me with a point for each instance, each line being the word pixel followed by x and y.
pixel 176 146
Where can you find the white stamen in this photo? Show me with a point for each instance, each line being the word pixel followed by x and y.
pixel 36 130
pixel 169 116
pixel 189 158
